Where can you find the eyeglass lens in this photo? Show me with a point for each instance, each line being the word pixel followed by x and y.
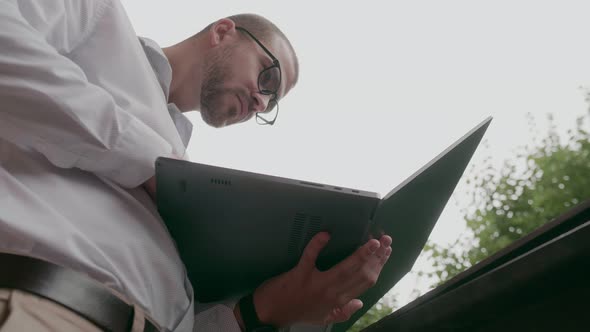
pixel 269 80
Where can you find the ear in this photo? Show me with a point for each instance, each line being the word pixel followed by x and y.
pixel 221 30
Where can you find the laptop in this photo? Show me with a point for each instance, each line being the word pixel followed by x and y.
pixel 235 229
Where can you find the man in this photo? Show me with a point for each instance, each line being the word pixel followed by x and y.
pixel 86 109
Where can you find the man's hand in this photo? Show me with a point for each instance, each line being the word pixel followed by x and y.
pixel 307 295
pixel 150 187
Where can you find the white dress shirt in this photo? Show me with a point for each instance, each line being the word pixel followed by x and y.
pixel 83 116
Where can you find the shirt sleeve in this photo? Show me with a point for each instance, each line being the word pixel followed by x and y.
pixel 48 105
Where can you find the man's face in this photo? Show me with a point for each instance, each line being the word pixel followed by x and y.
pixel 229 91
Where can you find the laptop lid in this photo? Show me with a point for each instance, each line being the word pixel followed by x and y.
pixel 409 212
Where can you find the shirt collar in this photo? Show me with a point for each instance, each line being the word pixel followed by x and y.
pixel 163 71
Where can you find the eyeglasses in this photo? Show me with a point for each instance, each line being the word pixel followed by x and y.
pixel 269 82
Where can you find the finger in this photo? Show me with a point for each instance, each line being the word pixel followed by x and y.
pixel 382 255
pixel 355 261
pixel 385 258
pixel 313 249
pixel 361 271
pixel 351 307
pixel 386 240
pixel 367 276
pixel 353 269
pixel 342 314
pixel 385 243
pixel 358 283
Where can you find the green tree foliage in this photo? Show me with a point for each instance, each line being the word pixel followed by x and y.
pixel 541 183
pixel 378 311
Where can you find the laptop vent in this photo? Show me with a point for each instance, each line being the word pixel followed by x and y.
pixel 223 182
pixel 303 229
pixel 296 234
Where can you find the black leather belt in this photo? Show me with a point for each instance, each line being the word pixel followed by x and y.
pixel 73 290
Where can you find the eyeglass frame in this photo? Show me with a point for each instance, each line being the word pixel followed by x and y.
pixel 275 63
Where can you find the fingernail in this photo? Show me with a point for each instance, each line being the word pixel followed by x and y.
pixel 388 241
pixel 388 252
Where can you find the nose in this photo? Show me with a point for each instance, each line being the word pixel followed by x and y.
pixel 259 102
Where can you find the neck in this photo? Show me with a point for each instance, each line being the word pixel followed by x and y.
pixel 186 59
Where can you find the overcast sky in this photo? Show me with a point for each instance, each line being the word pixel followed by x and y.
pixel 387 85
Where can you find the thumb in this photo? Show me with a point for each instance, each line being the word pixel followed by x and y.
pixel 313 249
pixel 342 314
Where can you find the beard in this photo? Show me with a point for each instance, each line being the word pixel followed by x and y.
pixel 213 108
